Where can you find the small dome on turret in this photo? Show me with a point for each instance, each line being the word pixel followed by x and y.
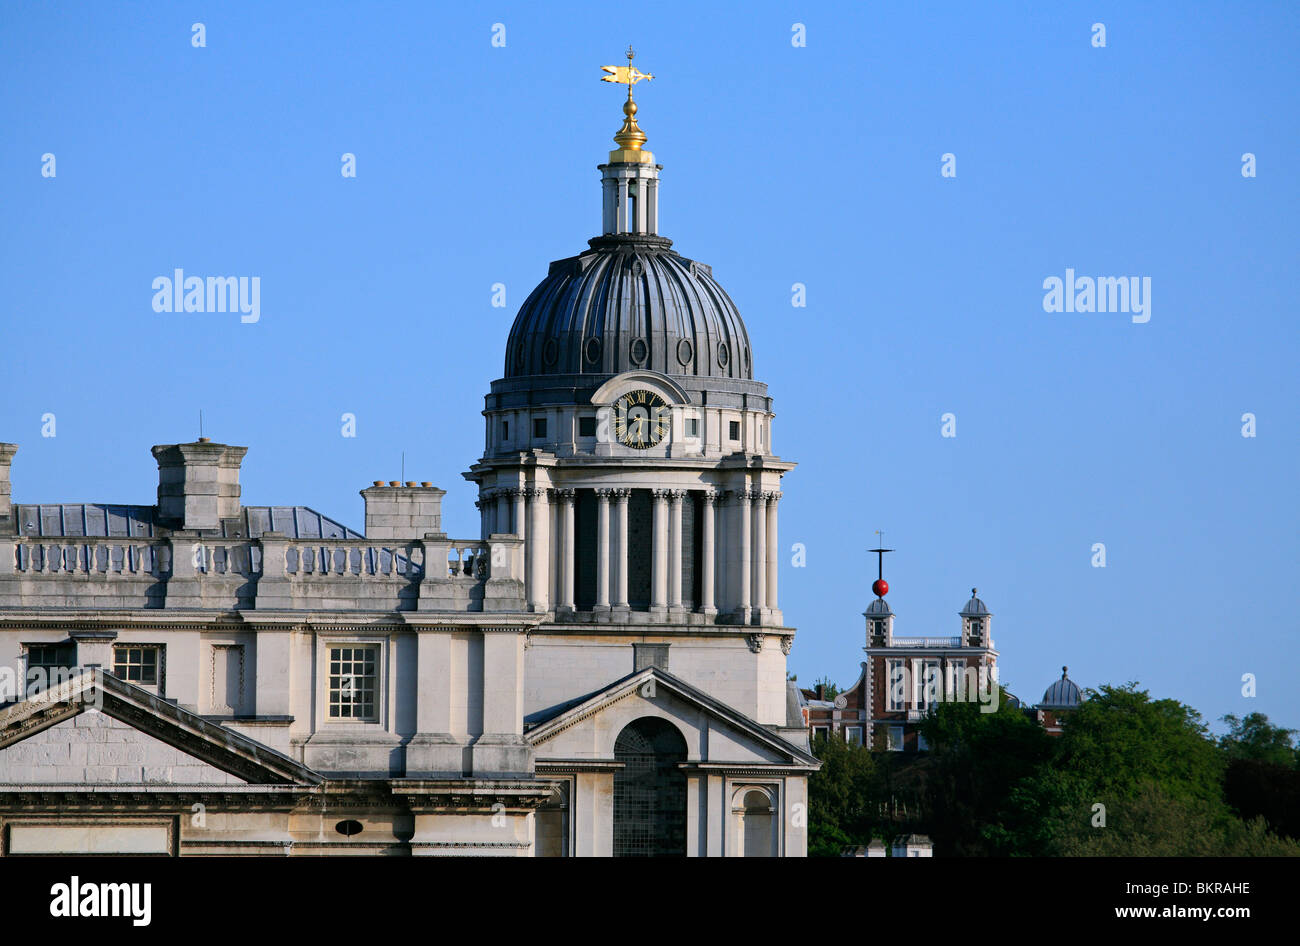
pixel 878 609
pixel 975 608
pixel 1063 694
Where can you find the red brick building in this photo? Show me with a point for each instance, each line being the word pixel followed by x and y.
pixel 903 677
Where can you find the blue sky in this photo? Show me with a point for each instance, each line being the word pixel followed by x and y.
pixel 818 165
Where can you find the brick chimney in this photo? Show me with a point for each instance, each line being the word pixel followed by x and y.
pixel 402 512
pixel 198 483
pixel 7 451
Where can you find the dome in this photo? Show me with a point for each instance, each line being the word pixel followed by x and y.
pixel 1063 694
pixel 629 303
pixel 975 608
pixel 878 608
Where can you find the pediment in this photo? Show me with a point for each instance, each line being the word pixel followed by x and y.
pixel 715 734
pixel 97 729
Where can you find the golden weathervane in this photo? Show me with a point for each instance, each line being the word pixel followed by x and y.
pixel 630 138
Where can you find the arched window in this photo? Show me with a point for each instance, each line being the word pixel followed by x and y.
pixel 757 824
pixel 650 790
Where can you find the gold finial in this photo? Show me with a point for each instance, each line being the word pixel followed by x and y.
pixel 630 137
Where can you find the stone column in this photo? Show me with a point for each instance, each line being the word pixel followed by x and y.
pixel 503 511
pixel 659 557
pixel 620 550
pixel 539 550
pixel 565 548
pixel 773 551
pixel 484 507
pixel 706 567
pixel 602 549
pixel 675 499
pixel 760 555
pixel 742 571
pixel 521 521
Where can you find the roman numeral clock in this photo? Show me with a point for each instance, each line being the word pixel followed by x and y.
pixel 641 419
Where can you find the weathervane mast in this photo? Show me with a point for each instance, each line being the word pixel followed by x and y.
pixel 629 137
pixel 880 587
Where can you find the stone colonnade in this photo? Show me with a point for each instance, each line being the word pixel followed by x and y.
pixel 743 573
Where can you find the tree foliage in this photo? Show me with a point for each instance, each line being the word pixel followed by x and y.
pixel 1129 775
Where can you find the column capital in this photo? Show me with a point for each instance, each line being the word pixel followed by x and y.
pixel 711 496
pixel 674 495
pixel 620 495
pixel 563 494
pixel 531 492
pixel 774 496
pixel 661 495
pixel 604 494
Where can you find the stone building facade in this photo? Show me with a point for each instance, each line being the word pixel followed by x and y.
pixel 601 672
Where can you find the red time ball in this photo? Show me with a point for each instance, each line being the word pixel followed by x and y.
pixel 880 587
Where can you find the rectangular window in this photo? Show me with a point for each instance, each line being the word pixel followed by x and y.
pixel 692 427
pixel 586 426
pixel 931 684
pixel 895 739
pixel 733 429
pixel 760 434
pixel 140 664
pixel 49 664
pixel 821 732
pixel 539 427
pixel 853 735
pixel 353 683
pixel 505 430
pixel 896 695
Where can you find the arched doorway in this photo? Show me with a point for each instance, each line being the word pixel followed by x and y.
pixel 650 790
pixel 756 822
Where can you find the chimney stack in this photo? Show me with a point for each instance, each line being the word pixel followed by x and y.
pixel 198 483
pixel 402 512
pixel 7 451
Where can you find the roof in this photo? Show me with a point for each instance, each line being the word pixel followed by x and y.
pixel 878 608
pixel 1063 693
pixel 68 520
pixel 545 724
pixel 204 739
pixel 629 303
pixel 974 607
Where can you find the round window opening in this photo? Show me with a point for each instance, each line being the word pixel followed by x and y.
pixel 348 828
pixel 593 350
pixel 685 351
pixel 550 351
pixel 724 355
pixel 638 351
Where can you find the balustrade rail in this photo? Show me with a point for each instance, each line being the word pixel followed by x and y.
pixel 107 556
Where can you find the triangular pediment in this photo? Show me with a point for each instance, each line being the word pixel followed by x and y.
pixel 97 729
pixel 715 733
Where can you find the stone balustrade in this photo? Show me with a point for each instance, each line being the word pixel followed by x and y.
pixel 88 556
pixel 270 572
pixel 925 642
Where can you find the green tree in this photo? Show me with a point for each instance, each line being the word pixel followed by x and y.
pixel 977 758
pixel 831 690
pixel 841 801
pixel 1254 737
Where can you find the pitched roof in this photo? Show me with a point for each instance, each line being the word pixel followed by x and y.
pixel 541 726
pixel 207 741
pixel 68 520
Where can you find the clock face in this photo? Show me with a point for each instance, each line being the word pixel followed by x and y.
pixel 641 419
